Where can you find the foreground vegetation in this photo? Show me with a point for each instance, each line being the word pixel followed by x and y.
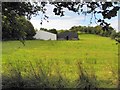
pixel 90 62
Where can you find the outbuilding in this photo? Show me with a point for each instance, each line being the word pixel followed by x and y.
pixel 44 35
pixel 68 36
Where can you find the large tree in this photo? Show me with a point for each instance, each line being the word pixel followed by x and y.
pixel 23 29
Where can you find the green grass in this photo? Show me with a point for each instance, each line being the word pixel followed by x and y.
pixel 98 55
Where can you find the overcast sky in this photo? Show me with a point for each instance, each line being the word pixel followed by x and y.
pixel 66 22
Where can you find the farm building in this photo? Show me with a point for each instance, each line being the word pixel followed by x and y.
pixel 67 36
pixel 44 35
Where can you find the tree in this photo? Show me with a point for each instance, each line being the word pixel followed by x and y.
pixel 75 28
pixel 11 15
pixel 60 31
pixel 53 31
pixel 113 34
pixel 23 28
pixel 44 29
pixel 28 29
pixel 6 29
pixel 118 35
pixel 98 29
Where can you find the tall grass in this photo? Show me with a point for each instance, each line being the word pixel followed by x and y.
pixel 53 63
pixel 86 80
pixel 37 77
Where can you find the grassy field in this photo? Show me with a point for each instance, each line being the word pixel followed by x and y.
pixel 59 63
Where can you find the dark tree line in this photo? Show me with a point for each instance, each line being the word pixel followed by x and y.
pixel 98 30
pixel 93 30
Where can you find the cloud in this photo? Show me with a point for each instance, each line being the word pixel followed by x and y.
pixel 58 23
pixel 66 22
pixel 114 23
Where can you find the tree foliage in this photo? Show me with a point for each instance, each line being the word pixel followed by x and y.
pixel 98 30
pixel 23 29
pixel 44 29
pixel 106 9
pixel 49 30
pixel 53 31
pixel 15 26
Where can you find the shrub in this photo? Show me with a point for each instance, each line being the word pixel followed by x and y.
pixel 113 34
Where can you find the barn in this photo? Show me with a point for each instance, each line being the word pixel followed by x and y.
pixel 44 35
pixel 67 36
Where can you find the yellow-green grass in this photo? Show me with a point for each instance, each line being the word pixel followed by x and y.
pixel 98 55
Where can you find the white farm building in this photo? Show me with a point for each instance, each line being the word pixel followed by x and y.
pixel 44 35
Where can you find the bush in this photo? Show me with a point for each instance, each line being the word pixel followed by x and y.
pixel 113 34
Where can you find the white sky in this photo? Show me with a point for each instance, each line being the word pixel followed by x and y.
pixel 66 22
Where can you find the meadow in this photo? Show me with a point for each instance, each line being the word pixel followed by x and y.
pixel 90 61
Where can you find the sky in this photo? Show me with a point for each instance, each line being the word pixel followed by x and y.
pixel 69 20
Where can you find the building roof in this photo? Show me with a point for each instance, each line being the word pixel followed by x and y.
pixel 46 32
pixel 45 35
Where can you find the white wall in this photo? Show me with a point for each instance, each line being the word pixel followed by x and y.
pixel 45 35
